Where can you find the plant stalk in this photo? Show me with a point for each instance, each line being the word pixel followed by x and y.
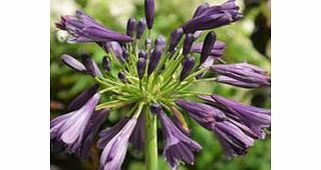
pixel 151 154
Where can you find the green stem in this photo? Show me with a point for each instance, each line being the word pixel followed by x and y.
pixel 151 154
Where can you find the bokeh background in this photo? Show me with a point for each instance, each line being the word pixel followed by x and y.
pixel 247 40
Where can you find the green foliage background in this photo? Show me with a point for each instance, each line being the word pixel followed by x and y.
pixel 66 84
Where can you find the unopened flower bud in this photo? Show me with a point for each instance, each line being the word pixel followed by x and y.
pixel 149 12
pixel 188 42
pixel 154 60
pixel 141 66
pixel 140 28
pixel 207 45
pixel 131 26
pixel 176 36
pixel 122 77
pixel 106 64
pixel 188 65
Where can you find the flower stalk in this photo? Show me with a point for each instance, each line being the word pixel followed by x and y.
pixel 151 154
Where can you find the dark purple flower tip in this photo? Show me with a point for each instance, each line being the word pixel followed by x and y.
pixel 125 54
pixel 141 66
pixel 73 63
pixel 253 117
pixel 203 114
pixel 160 43
pixel 114 152
pixel 96 120
pixel 106 64
pixel 140 28
pixel 188 42
pixel 232 139
pixel 213 17
pixel 149 12
pixel 156 108
pixel 178 147
pixel 122 77
pixel 138 136
pixel 82 98
pixel 131 26
pixel 243 72
pixel 91 65
pixel 235 82
pixel 188 65
pixel 207 45
pixel 154 60
pixel 216 51
pixel 200 9
pixel 83 28
pixel 142 54
pixel 176 36
pixel 70 128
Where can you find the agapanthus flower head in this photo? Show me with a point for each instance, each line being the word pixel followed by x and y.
pixel 147 79
pixel 83 28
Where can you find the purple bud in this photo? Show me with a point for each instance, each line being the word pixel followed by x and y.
pixel 176 36
pixel 82 98
pixel 116 49
pixel 154 60
pixel 160 43
pixel 235 82
pixel 149 12
pixel 141 66
pixel 131 26
pixel 207 45
pixel 83 28
pixel 140 28
pixel 216 51
pixel 142 54
pixel 106 64
pixel 122 77
pixel 188 44
pixel 244 72
pixel 156 108
pixel 73 63
pixel 188 65
pixel 200 9
pixel 212 17
pixel 91 65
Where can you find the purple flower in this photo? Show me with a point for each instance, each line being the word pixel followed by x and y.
pixel 70 128
pixel 154 60
pixel 83 28
pixel 188 41
pixel 203 114
pixel 116 49
pixel 160 43
pixel 176 36
pixel 82 98
pixel 235 82
pixel 207 46
pixel 188 65
pixel 253 117
pixel 96 120
pixel 115 150
pixel 216 51
pixel 243 72
pixel 212 17
pixel 149 12
pixel 73 63
pixel 232 139
pixel 91 65
pixel 141 66
pixel 131 26
pixel 138 136
pixel 140 28
pixel 106 64
pixel 200 9
pixel 178 147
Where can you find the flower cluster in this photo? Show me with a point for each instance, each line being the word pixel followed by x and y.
pixel 152 80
